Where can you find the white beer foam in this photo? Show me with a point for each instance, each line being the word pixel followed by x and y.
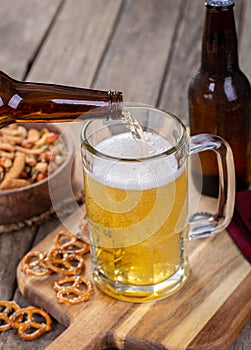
pixel 135 175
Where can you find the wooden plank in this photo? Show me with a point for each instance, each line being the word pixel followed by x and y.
pixel 79 36
pixel 23 26
pixel 185 59
pixel 136 58
pixel 220 277
pixel 230 323
pixel 10 255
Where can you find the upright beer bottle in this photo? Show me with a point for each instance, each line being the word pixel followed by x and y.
pixel 36 102
pixel 220 98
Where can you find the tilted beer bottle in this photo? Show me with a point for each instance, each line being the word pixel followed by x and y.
pixel 37 102
pixel 219 96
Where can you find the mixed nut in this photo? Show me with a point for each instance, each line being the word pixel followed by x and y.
pixel 27 156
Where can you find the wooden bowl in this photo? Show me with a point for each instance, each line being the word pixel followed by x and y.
pixel 27 202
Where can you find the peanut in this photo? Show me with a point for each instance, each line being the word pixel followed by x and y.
pixel 41 167
pixel 33 135
pixel 30 160
pixel 5 162
pixel 27 144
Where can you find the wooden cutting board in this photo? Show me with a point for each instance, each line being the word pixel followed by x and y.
pixel 207 313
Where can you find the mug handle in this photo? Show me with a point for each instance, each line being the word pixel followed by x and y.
pixel 205 224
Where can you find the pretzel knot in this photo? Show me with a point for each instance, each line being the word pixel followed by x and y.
pixel 65 240
pixel 8 308
pixel 70 286
pixel 60 261
pixel 33 264
pixel 24 320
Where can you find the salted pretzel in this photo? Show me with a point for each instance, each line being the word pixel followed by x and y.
pixel 68 286
pixel 33 264
pixel 9 308
pixel 27 322
pixel 65 240
pixel 60 261
pixel 4 322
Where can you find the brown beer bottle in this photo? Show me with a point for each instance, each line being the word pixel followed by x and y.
pixel 219 97
pixel 37 102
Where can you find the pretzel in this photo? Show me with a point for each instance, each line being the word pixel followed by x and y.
pixel 4 322
pixel 28 322
pixel 60 261
pixel 64 293
pixel 65 240
pixel 33 264
pixel 67 259
pixel 9 307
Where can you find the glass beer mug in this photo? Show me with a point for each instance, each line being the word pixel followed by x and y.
pixel 137 202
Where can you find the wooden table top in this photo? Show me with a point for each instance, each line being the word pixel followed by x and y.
pixel 148 49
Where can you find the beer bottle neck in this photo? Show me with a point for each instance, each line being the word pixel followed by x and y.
pixel 37 102
pixel 219 45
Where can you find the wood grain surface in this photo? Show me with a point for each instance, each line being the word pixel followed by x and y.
pixel 85 43
pixel 207 313
pixel 23 28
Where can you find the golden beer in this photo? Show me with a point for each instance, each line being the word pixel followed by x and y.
pixel 137 222
pixel 136 189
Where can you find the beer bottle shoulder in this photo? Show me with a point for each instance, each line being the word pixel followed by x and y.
pixel 208 89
